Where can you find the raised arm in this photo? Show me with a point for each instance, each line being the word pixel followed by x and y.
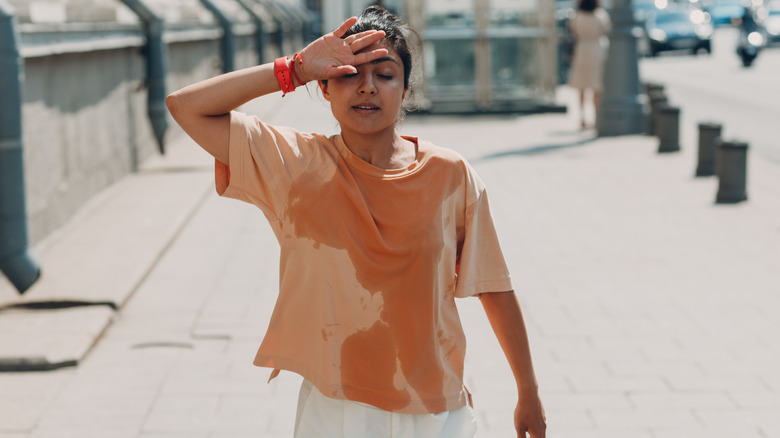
pixel 506 318
pixel 203 109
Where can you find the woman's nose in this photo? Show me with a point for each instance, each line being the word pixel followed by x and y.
pixel 367 87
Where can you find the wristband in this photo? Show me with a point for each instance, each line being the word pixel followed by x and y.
pixel 284 74
pixel 297 57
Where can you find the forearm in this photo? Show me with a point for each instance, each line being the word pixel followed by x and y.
pixel 221 94
pixel 506 319
pixel 202 109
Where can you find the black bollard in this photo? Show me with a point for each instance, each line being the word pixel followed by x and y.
pixel 653 87
pixel 668 129
pixel 709 135
pixel 732 172
pixel 657 100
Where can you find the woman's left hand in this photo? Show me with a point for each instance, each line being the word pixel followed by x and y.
pixel 331 56
pixel 529 417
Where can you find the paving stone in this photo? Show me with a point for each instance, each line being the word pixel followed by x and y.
pixel 710 399
pixel 645 420
pixel 20 415
pixel 710 432
pixel 41 340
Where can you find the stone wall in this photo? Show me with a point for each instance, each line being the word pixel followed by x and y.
pixel 85 121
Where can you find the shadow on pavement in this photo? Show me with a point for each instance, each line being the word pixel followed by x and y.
pixel 534 150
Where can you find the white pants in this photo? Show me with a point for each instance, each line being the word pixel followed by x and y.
pixel 322 417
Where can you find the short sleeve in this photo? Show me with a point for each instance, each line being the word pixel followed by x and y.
pixel 263 162
pixel 481 264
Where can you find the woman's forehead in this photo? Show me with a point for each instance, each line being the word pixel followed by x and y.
pixel 383 44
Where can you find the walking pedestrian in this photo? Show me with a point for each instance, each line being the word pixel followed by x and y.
pixel 378 232
pixel 589 26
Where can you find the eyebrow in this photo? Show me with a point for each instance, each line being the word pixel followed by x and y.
pixel 384 59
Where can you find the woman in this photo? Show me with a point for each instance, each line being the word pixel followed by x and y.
pixel 589 26
pixel 378 232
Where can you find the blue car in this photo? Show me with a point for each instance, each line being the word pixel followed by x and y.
pixel 724 12
pixel 674 29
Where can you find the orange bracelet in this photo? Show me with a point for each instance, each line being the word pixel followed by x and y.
pixel 284 74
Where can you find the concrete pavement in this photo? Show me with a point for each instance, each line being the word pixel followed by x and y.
pixel 651 310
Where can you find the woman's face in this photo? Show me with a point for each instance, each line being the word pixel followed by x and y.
pixel 369 101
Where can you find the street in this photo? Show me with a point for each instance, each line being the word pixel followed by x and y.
pixel 717 88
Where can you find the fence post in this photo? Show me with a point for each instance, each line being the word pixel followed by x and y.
pixel 156 69
pixel 16 261
pixel 228 44
pixel 260 36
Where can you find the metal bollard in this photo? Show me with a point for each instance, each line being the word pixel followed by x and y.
pixel 709 136
pixel 657 100
pixel 732 172
pixel 668 129
pixel 654 87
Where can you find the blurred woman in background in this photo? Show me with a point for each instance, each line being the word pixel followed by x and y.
pixel 589 26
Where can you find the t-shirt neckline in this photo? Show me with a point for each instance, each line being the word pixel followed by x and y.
pixel 369 169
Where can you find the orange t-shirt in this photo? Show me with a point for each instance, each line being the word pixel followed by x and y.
pixel 371 262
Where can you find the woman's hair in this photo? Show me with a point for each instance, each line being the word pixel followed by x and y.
pixel 589 5
pixel 396 33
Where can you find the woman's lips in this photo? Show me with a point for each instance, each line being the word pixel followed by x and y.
pixel 365 108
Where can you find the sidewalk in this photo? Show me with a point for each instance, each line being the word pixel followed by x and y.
pixel 651 310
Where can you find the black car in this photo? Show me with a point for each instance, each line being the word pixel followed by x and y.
pixel 679 29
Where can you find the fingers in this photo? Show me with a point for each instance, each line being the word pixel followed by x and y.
pixel 344 70
pixel 362 58
pixel 345 26
pixel 365 39
pixel 531 433
pixel 536 430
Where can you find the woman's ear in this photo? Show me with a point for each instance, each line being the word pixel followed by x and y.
pixel 324 88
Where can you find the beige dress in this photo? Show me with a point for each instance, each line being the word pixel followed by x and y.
pixel 590 49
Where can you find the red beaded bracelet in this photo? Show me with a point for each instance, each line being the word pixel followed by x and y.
pixel 295 73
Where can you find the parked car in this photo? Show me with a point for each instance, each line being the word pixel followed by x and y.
pixel 643 10
pixel 724 12
pixel 771 21
pixel 679 29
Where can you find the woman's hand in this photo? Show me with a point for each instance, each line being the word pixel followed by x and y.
pixel 529 417
pixel 330 56
pixel 506 318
